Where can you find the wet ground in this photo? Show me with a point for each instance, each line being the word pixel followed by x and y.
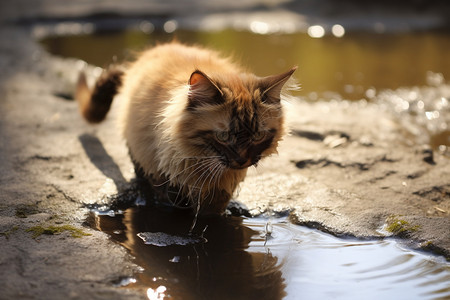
pixel 271 258
pixel 264 258
pixel 366 180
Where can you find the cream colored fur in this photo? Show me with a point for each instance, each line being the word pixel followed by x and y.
pixel 154 122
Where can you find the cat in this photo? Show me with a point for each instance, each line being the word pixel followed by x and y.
pixel 194 121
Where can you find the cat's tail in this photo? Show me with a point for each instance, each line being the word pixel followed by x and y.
pixel 94 104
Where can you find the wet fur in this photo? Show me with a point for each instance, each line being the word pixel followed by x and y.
pixel 176 100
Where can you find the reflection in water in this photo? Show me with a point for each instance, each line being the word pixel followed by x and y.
pixel 221 268
pixel 269 259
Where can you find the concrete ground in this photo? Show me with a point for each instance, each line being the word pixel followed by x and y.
pixel 351 169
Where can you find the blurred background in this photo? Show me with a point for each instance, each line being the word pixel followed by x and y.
pixel 391 55
pixel 349 49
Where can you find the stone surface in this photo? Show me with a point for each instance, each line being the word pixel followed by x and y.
pixel 45 176
pixel 347 168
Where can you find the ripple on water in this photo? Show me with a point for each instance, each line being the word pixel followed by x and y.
pixel 316 264
pixel 257 258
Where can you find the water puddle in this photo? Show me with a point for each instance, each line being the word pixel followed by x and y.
pixel 259 258
pixel 403 72
pixel 353 66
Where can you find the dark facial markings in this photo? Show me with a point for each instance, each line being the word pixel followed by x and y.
pixel 240 146
pixel 245 140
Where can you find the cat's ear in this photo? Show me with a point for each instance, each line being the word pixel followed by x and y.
pixel 203 90
pixel 272 86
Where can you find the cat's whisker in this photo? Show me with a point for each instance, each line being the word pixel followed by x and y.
pixel 216 176
pixel 172 177
pixel 204 182
pixel 194 186
pixel 182 186
pixel 199 168
pixel 204 167
pixel 200 157
pixel 171 125
pixel 204 177
pixel 217 168
pixel 198 196
pixel 213 173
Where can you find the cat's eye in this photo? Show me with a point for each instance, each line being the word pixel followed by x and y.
pixel 259 136
pixel 222 136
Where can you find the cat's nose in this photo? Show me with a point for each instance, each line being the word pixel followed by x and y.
pixel 241 160
pixel 241 163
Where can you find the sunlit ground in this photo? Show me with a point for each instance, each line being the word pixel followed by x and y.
pixel 399 71
pixel 333 64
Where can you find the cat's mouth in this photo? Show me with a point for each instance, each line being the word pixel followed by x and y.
pixel 240 165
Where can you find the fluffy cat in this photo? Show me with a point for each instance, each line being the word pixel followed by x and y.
pixel 193 121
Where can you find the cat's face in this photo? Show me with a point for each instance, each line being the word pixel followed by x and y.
pixel 236 120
